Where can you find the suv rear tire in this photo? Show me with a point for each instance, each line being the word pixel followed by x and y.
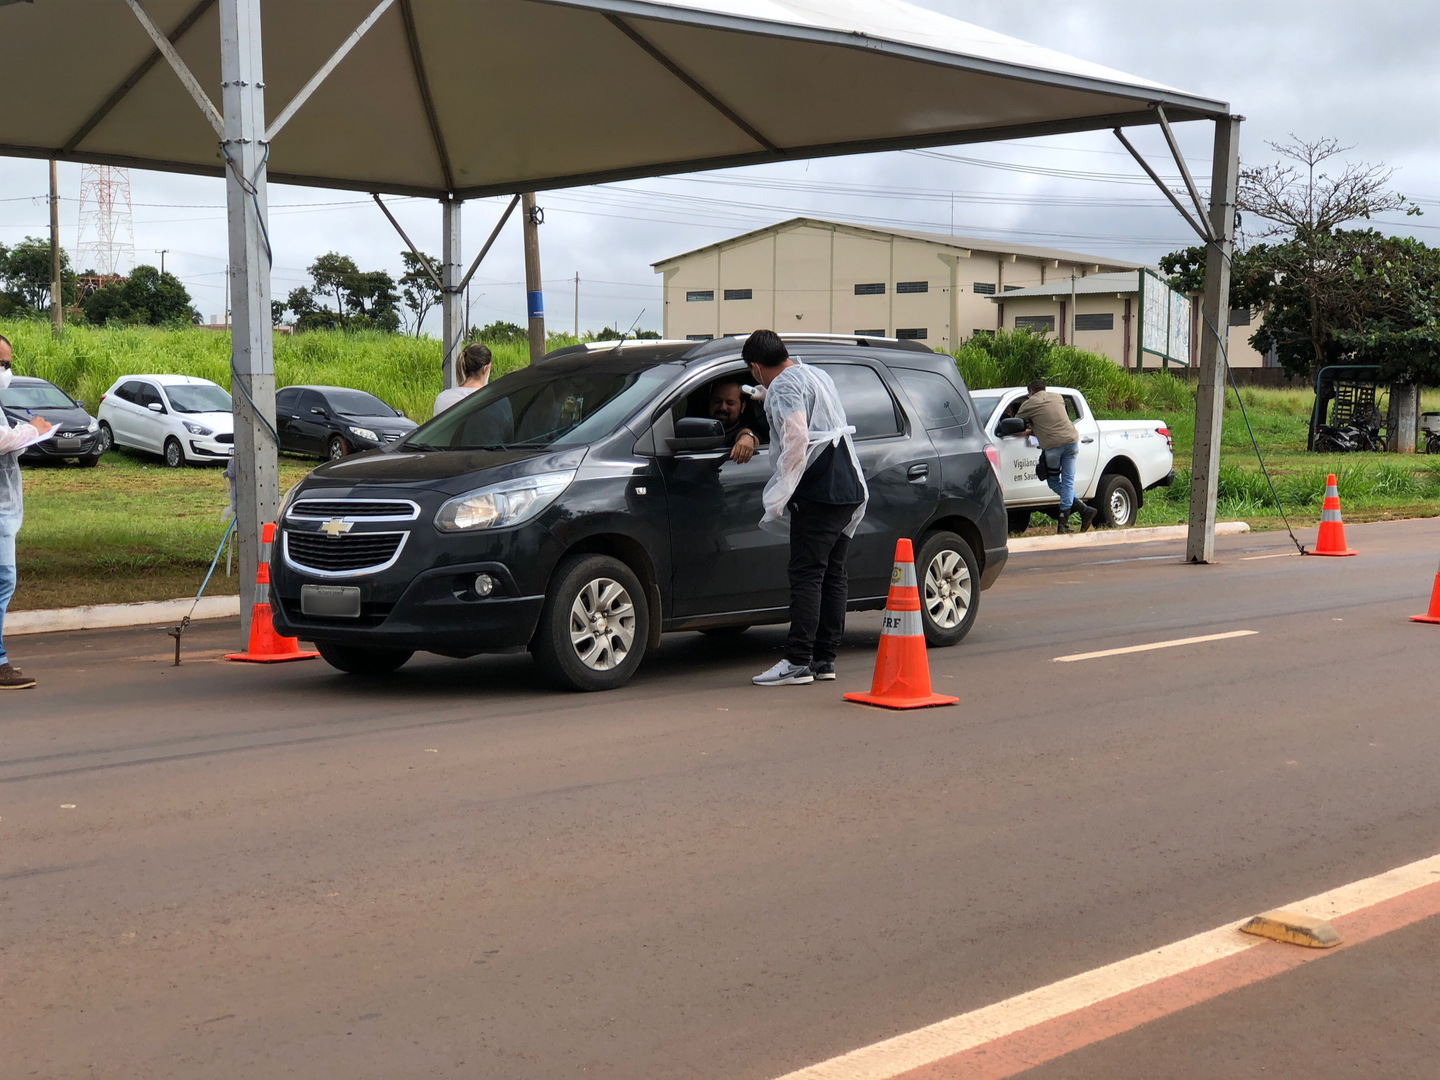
pixel 594 625
pixel 362 659
pixel 949 581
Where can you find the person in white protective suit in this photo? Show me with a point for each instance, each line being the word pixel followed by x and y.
pixel 12 441
pixel 819 488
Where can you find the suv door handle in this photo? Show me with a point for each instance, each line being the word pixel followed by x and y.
pixel 918 474
pixel 1087 439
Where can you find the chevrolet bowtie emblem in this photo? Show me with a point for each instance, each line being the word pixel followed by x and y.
pixel 335 528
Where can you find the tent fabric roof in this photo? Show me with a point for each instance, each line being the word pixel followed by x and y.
pixel 1086 286
pixel 479 97
pixel 967 244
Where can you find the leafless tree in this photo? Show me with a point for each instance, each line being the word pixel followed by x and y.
pixel 1302 199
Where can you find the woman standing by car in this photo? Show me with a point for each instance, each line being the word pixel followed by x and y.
pixel 472 371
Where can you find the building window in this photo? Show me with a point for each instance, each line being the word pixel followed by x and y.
pixel 874 288
pixel 1240 316
pixel 982 333
pixel 913 333
pixel 737 294
pixel 984 288
pixel 912 286
pixel 699 337
pixel 1095 322
pixel 1013 288
pixel 869 333
pixel 1036 324
pixel 699 296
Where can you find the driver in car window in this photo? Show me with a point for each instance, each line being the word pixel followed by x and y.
pixel 744 424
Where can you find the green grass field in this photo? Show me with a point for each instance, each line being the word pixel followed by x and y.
pixel 131 529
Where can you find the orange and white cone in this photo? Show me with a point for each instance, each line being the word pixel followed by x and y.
pixel 266 646
pixel 902 671
pixel 1433 615
pixel 1331 540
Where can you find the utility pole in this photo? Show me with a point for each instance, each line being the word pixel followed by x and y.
pixel 57 313
pixel 577 303
pixel 257 489
pixel 534 294
pixel 161 252
pixel 1215 312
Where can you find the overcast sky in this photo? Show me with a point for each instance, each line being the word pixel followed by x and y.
pixel 1364 74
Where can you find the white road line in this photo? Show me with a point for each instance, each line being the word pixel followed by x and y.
pixel 915 1049
pixel 1151 647
pixel 1277 555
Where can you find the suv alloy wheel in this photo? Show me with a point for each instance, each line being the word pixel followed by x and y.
pixel 594 625
pixel 949 581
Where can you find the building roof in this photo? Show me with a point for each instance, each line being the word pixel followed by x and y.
pixel 966 244
pixel 1127 282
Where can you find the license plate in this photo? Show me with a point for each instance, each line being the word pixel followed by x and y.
pixel 330 601
pixel 67 444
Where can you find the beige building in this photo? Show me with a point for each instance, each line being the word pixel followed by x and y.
pixel 1101 315
pixel 829 277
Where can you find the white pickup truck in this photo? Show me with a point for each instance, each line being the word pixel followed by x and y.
pixel 1119 460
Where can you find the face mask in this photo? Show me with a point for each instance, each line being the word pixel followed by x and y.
pixel 5 376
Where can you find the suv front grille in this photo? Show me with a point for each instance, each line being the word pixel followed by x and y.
pixel 352 553
pixel 353 509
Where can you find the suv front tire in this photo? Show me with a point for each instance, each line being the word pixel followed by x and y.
pixel 594 625
pixel 949 581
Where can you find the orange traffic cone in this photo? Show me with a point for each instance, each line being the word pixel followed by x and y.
pixel 1433 615
pixel 1331 540
pixel 902 673
pixel 266 646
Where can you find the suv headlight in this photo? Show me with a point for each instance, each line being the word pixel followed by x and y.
pixel 365 433
pixel 510 503
pixel 94 425
pixel 197 429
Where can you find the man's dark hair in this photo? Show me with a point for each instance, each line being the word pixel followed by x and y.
pixel 765 349
pixel 728 380
pixel 1036 386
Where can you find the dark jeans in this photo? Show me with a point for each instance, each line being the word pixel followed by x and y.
pixel 819 586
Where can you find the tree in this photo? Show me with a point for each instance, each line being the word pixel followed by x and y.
pixel 418 288
pixel 501 333
pixel 146 297
pixel 25 273
pixel 334 274
pixel 1297 201
pixel 372 301
pixel 363 299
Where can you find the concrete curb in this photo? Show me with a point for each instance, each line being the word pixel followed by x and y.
pixel 104 616
pixel 1106 537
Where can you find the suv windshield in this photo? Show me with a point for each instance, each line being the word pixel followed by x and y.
pixel 43 396
pixel 198 398
pixel 544 405
pixel 357 403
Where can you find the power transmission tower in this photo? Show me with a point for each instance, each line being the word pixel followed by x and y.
pixel 106 240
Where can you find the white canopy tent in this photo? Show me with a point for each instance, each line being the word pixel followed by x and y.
pixel 459 99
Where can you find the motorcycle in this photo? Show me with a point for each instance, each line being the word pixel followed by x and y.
pixel 1352 438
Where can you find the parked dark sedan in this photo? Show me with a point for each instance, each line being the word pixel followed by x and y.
pixel 77 433
pixel 584 505
pixel 334 421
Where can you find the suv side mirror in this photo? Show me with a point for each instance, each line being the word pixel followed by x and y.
pixel 1011 425
pixel 696 433
pixel 155 406
pixel 319 412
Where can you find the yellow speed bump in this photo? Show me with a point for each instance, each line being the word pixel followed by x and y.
pixel 1294 928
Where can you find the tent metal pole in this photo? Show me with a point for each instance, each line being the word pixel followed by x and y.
pixel 1139 158
pixel 424 261
pixel 252 361
pixel 329 66
pixel 452 294
pixel 1214 317
pixel 489 243
pixel 182 71
pixel 1184 169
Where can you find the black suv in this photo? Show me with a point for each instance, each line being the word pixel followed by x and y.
pixel 583 505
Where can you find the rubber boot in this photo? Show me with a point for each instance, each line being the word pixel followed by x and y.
pixel 1088 514
pixel 1062 519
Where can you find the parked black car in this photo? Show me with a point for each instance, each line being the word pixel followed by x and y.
pixel 334 421
pixel 77 435
pixel 585 504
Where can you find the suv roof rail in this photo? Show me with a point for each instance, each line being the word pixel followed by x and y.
pixel 728 342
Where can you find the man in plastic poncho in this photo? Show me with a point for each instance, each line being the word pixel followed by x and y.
pixel 819 486
pixel 12 441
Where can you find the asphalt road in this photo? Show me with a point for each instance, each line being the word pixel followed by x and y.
pixel 237 871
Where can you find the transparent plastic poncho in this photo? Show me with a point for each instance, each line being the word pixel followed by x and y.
pixel 12 441
pixel 805 416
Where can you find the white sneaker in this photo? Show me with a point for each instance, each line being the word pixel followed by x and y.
pixel 785 674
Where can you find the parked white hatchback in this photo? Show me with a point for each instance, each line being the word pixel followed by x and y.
pixel 182 419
